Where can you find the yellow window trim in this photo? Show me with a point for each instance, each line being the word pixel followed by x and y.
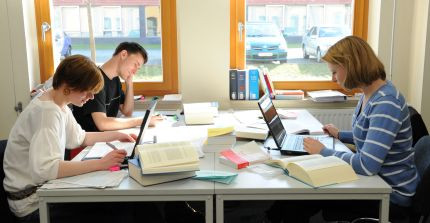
pixel 237 48
pixel 169 50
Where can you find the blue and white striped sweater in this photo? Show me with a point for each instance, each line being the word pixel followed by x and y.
pixel 382 135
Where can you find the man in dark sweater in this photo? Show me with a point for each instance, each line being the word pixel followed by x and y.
pixel 100 114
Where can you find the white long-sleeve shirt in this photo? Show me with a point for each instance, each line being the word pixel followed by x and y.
pixel 35 147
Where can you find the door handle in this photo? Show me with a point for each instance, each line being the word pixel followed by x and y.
pixel 45 28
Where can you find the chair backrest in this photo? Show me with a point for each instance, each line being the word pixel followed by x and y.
pixel 5 212
pixel 422 154
pixel 421 200
pixel 418 126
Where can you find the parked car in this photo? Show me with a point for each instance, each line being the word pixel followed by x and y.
pixel 318 39
pixel 63 43
pixel 264 42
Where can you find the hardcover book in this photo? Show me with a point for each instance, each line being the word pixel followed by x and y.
pixel 135 172
pixel 233 84
pixel 316 170
pixel 253 84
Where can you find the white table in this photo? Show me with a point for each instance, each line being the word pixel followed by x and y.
pixel 131 191
pixel 249 185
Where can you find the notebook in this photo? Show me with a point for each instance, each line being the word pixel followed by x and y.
pixel 97 154
pixel 288 144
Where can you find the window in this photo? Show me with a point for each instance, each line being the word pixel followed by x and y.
pixel 293 36
pixel 150 23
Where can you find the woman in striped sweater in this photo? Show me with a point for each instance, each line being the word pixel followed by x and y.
pixel 381 128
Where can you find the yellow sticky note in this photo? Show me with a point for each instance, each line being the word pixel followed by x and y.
pixel 220 131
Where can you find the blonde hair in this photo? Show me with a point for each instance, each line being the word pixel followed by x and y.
pixel 78 73
pixel 360 62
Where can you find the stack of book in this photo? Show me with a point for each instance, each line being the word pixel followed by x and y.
pixel 163 162
pixel 244 84
pixel 219 138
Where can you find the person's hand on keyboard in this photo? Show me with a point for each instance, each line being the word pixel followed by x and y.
pixel 312 146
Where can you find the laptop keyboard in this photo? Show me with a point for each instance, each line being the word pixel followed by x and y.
pixel 295 142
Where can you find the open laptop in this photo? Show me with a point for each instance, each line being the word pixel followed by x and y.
pixel 288 144
pixel 100 152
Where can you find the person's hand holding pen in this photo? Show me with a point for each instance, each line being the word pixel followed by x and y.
pixel 332 130
pixel 113 159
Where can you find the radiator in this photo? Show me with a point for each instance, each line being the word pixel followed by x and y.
pixel 340 117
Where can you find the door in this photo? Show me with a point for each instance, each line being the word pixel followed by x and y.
pixel 7 96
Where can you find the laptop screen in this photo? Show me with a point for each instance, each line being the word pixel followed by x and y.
pixel 145 123
pixel 272 119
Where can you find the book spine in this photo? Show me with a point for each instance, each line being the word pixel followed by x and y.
pixel 235 159
pixel 241 84
pixel 268 83
pixel 263 85
pixel 233 84
pixel 253 85
pixel 246 84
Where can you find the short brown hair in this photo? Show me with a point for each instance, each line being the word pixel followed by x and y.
pixel 78 73
pixel 132 48
pixel 360 62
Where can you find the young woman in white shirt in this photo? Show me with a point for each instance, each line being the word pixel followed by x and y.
pixel 37 142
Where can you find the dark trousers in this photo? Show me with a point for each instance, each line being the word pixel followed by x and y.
pixel 336 210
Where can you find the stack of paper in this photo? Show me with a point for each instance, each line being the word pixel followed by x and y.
pixel 327 96
pixel 216 176
pixel 98 179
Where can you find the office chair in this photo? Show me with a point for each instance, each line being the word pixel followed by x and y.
pixel 7 215
pixel 418 126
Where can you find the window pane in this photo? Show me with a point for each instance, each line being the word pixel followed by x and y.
pixel 289 37
pixel 137 21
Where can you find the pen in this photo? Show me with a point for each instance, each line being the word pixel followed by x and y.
pixel 111 146
pixel 334 142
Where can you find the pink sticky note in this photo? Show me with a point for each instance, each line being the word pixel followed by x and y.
pixel 114 168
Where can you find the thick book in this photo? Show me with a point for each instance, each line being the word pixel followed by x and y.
pixel 327 96
pixel 221 136
pixel 200 113
pixel 241 84
pixel 135 172
pixel 168 157
pixel 233 84
pixel 316 170
pixel 253 84
pixel 251 133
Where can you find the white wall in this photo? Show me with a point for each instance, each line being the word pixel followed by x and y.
pixel 204 49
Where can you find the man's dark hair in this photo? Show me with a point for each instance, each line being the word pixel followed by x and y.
pixel 132 48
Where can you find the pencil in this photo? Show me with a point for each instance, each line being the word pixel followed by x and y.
pixel 111 146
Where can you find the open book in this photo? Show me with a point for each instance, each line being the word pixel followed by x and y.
pixel 316 170
pixel 168 157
